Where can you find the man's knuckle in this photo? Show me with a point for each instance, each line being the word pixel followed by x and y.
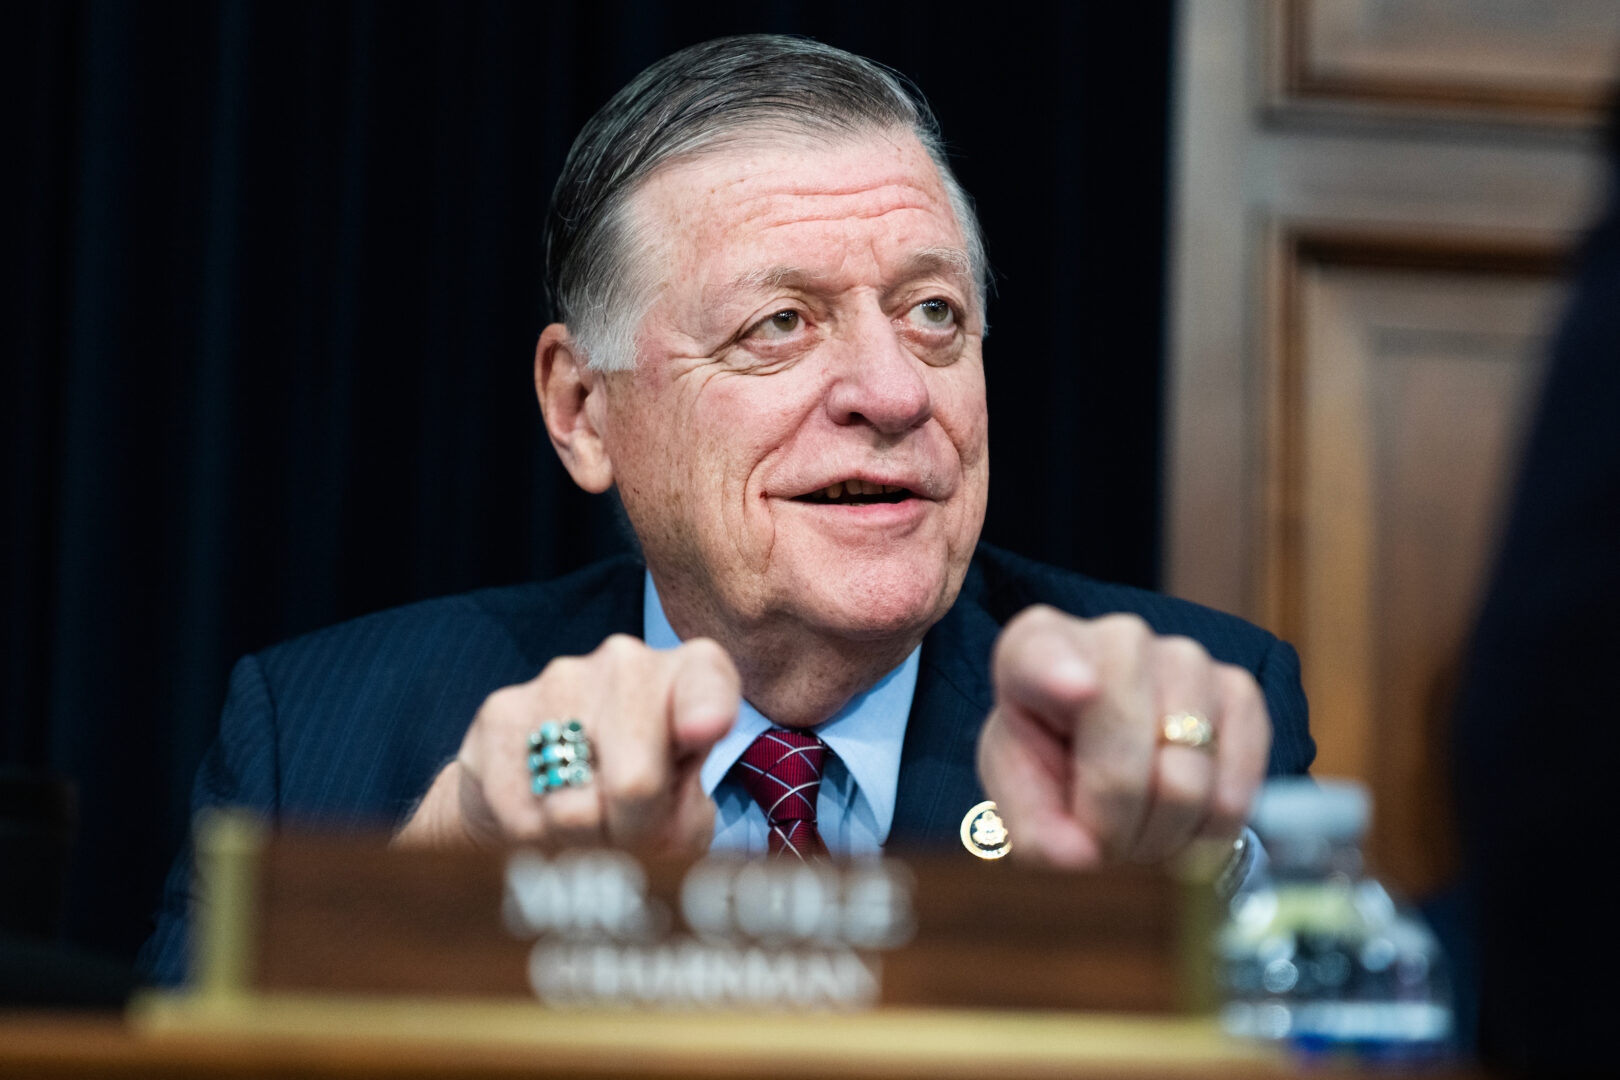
pixel 707 651
pixel 1043 619
pixel 1183 651
pixel 504 700
pixel 1125 629
pixel 1124 621
pixel 1238 682
pixel 1043 614
pixel 563 671
pixel 508 707
pixel 620 647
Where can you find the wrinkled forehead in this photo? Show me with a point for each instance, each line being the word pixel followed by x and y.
pixel 769 196
pixel 790 152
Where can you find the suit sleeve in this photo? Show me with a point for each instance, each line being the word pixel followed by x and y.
pixel 1292 748
pixel 239 770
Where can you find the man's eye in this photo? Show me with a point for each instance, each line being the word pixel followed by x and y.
pixel 782 323
pixel 933 313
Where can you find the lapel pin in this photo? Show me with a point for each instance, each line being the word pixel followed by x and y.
pixel 983 832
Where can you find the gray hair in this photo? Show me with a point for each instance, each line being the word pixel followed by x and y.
pixel 693 101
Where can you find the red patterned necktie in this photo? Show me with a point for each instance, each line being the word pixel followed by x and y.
pixel 782 771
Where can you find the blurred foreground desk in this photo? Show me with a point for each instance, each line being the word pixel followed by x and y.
pixel 350 1040
pixel 336 957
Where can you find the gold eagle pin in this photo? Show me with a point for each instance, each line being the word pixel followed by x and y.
pixel 983 832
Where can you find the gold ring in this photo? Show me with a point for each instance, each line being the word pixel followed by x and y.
pixel 1188 729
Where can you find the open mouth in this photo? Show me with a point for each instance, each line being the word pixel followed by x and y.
pixel 856 493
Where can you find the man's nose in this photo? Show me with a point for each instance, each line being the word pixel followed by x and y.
pixel 878 381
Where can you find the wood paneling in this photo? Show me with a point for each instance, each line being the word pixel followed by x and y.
pixel 1405 368
pixel 1531 63
pixel 1372 205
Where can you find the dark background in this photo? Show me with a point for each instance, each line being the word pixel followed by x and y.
pixel 272 291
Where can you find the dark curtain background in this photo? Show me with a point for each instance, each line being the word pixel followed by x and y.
pixel 271 298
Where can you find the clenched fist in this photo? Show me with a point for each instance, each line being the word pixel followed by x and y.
pixel 652 716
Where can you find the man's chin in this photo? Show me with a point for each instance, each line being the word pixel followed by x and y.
pixel 880 607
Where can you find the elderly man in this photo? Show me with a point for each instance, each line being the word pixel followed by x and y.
pixel 771 294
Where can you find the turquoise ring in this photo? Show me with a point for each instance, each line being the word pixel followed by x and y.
pixel 559 756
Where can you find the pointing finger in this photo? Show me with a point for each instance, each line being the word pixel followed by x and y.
pixel 1039 669
pixel 704 697
pixel 1115 734
pixel 1024 768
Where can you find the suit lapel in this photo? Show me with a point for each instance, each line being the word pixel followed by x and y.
pixel 939 780
pixel 573 615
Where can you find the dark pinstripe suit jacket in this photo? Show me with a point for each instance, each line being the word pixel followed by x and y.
pixel 348 725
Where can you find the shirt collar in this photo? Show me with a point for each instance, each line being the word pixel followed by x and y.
pixel 866 734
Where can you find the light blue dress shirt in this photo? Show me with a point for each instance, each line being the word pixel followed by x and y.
pixel 858 784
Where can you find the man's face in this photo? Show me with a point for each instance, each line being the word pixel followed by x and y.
pixel 803 441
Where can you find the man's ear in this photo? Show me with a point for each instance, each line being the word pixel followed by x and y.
pixel 571 401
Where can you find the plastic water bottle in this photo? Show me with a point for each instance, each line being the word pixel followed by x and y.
pixel 1316 953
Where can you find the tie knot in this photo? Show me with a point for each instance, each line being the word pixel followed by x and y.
pixel 781 770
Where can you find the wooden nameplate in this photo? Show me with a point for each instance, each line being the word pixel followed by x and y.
pixel 304 913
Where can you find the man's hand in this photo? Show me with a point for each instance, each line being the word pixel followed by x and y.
pixel 1072 752
pixel 651 717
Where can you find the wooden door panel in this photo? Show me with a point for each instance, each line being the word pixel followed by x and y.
pixel 1532 63
pixel 1405 389
pixel 1372 206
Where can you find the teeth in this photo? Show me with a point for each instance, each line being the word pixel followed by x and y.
pixel 857 487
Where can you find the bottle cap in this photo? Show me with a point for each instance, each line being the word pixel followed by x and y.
pixel 1299 808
